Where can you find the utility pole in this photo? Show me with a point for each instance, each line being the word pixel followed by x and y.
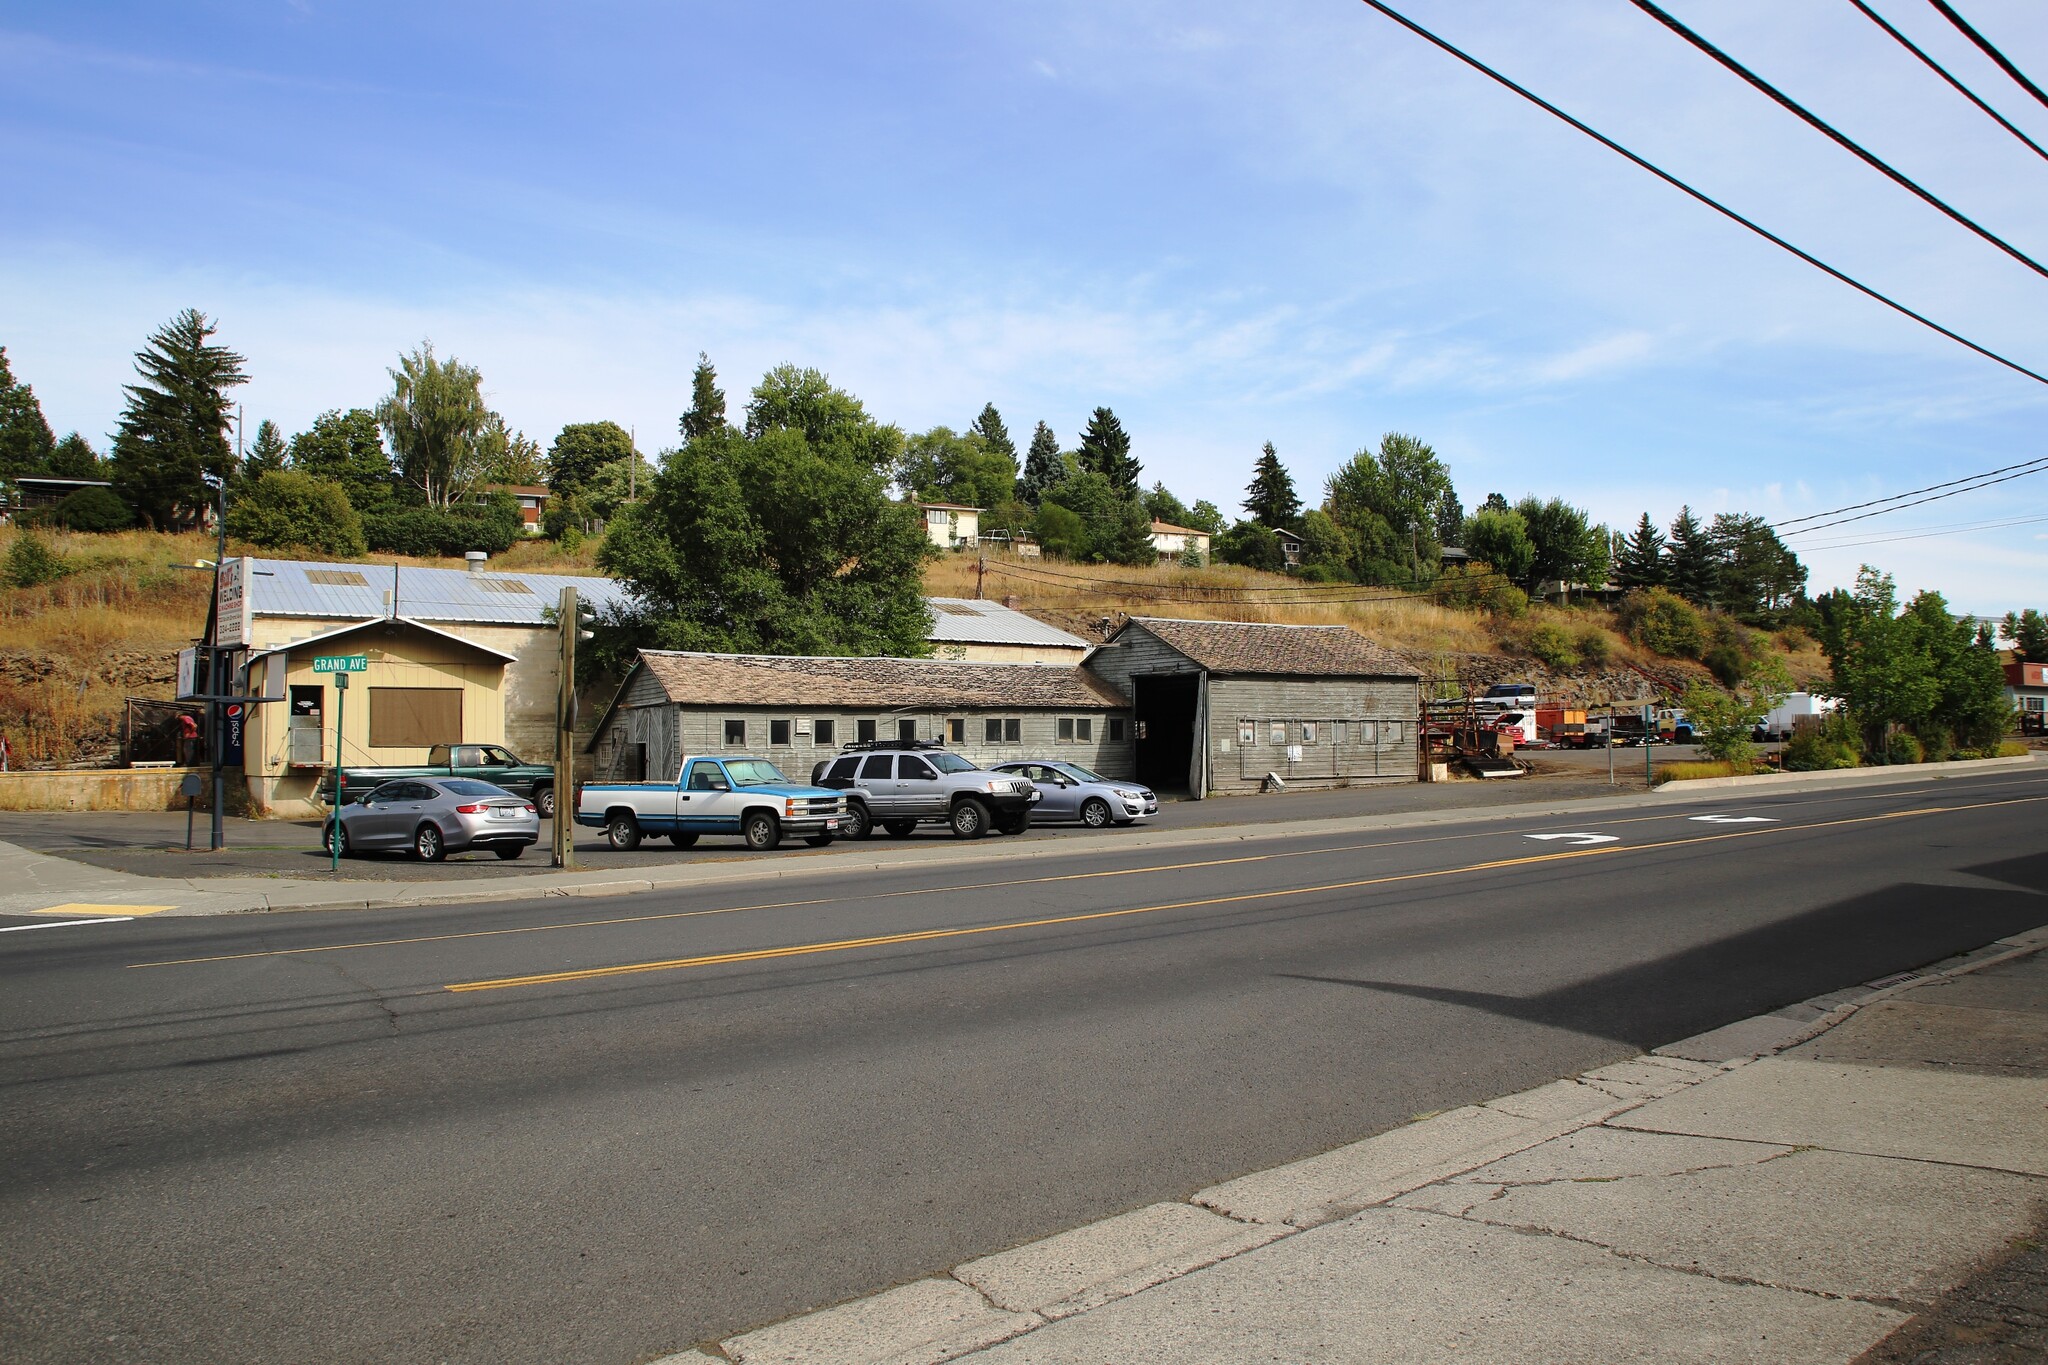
pixel 215 656
pixel 980 571
pixel 570 616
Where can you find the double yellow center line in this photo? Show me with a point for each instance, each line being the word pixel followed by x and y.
pixel 1011 926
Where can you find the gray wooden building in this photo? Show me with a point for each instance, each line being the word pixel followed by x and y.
pixel 1218 705
pixel 797 710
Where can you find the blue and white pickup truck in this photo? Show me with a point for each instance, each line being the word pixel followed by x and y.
pixel 748 797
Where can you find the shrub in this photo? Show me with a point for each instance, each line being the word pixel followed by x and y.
pixel 93 509
pixel 1551 644
pixel 1595 646
pixel 1904 748
pixel 1692 772
pixel 1824 747
pixel 31 562
pixel 1663 623
pixel 287 509
pixel 428 531
pixel 1725 662
pixel 1506 601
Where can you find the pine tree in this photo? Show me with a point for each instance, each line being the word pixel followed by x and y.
pixel 1106 450
pixel 707 401
pixel 268 451
pixel 1129 535
pixel 26 440
pixel 1043 467
pixel 1270 496
pixel 994 435
pixel 1689 561
pixel 1640 563
pixel 74 458
pixel 173 431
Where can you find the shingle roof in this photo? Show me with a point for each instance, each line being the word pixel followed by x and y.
pixel 1277 651
pixel 292 587
pixel 783 680
pixel 964 620
pixel 1167 528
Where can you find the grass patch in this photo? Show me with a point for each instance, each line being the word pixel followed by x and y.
pixel 1693 771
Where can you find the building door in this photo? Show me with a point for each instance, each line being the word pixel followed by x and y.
pixel 305 737
pixel 1164 706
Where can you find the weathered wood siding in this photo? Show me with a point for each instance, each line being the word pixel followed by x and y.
pixel 1364 731
pixel 1137 651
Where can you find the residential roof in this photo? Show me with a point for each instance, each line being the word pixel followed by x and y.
pixel 531 490
pixel 1279 651
pixel 948 507
pixel 292 587
pixel 1167 528
pixel 320 637
pixel 882 684
pixel 962 620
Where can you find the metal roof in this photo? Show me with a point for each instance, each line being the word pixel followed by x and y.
pixel 292 587
pixel 970 621
pixel 338 631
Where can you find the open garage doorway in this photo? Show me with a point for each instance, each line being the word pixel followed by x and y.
pixel 1164 706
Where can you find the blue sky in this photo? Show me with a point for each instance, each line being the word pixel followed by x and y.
pixel 1288 222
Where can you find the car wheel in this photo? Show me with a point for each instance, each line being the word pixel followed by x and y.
pixel 509 852
pixel 1014 824
pixel 544 802
pixel 817 840
pixel 327 835
pixel 1095 812
pixel 761 831
pixel 427 842
pixel 622 831
pixel 900 829
pixel 856 823
pixel 970 819
pixel 684 838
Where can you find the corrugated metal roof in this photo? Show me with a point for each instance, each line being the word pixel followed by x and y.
pixel 292 587
pixel 969 621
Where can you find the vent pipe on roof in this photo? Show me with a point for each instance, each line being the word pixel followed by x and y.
pixel 477 559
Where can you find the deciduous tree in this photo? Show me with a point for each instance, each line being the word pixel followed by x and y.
pixel 1569 548
pixel 26 441
pixel 173 431
pixel 1388 500
pixel 435 419
pixel 287 509
pixel 347 448
pixel 939 466
pixel 1501 540
pixel 580 450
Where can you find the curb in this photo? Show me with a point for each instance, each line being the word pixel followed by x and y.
pixel 1008 1294
pixel 1905 772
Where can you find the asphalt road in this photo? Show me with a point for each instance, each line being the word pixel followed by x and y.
pixel 602 1131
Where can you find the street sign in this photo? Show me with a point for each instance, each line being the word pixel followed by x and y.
pixel 341 663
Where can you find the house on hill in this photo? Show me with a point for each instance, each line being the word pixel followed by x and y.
pixel 1217 706
pixel 951 525
pixel 1172 541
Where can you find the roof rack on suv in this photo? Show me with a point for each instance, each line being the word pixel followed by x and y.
pixel 865 744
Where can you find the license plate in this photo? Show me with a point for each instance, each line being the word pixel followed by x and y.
pixel 831 824
pixel 500 813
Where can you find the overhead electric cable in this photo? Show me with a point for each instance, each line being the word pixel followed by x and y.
pixel 1839 138
pixel 1923 533
pixel 1704 198
pixel 1938 69
pixel 2028 465
pixel 1952 493
pixel 1984 46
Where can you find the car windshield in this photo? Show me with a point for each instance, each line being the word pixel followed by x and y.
pixel 464 787
pixel 949 763
pixel 1076 770
pixel 754 772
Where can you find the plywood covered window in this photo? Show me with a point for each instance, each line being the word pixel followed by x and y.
pixel 415 717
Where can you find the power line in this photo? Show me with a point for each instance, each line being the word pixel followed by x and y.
pixel 1925 533
pixel 1712 203
pixel 1839 138
pixel 1224 587
pixel 1340 594
pixel 2027 466
pixel 1938 69
pixel 1952 493
pixel 1984 46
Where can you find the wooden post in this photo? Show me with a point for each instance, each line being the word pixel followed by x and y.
pixel 564 846
pixel 980 571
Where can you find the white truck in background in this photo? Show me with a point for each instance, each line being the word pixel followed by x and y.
pixel 1784 718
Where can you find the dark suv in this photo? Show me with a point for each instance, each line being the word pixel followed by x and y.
pixel 898 785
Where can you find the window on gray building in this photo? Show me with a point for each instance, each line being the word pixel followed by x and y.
pixel 823 731
pixel 1002 730
pixel 1308 732
pixel 864 731
pixel 906 731
pixel 1277 732
pixel 1116 729
pixel 736 732
pixel 956 730
pixel 778 732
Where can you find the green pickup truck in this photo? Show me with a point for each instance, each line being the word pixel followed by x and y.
pixel 491 763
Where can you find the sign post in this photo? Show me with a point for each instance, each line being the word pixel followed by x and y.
pixel 340 665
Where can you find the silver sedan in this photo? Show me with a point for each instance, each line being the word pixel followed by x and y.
pixel 435 816
pixel 1071 794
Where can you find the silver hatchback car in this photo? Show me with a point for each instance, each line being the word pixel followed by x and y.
pixel 436 816
pixel 1070 793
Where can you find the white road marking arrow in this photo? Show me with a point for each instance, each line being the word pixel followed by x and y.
pixel 1734 819
pixel 1579 838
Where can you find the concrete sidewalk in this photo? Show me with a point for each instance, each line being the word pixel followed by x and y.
pixel 1793 1188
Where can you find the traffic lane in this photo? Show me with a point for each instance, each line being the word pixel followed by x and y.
pixel 684 1158
pixel 253 1000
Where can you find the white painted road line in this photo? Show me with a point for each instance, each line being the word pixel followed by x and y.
pixel 1579 839
pixel 64 923
pixel 1733 819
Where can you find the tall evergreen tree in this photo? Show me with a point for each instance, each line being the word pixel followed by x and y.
pixel 74 458
pixel 1129 537
pixel 707 401
pixel 1043 467
pixel 1270 496
pixel 1690 568
pixel 1495 503
pixel 26 441
pixel 267 452
pixel 1450 517
pixel 173 431
pixel 1106 450
pixel 994 435
pixel 1640 562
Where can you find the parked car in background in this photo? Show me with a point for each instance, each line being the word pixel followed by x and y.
pixel 492 763
pixel 434 817
pixel 1070 793
pixel 1517 696
pixel 898 784
pixel 748 797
